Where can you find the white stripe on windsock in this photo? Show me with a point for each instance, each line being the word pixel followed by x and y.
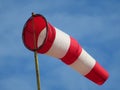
pixel 41 37
pixel 84 63
pixel 60 45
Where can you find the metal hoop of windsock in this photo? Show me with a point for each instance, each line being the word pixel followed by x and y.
pixel 56 43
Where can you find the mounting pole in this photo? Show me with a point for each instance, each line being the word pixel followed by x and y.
pixel 37 69
pixel 36 55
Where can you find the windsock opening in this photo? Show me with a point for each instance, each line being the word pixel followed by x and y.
pixel 35 32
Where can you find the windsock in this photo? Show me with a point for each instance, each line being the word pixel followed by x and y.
pixel 49 40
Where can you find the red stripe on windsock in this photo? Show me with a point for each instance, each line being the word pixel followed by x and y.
pixel 36 24
pixel 98 74
pixel 73 52
pixel 49 40
pixel 29 30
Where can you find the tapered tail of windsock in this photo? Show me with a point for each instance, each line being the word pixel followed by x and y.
pixel 54 42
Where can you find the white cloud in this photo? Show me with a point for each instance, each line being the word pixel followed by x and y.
pixel 15 83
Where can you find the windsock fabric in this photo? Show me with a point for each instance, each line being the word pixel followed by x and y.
pixel 56 43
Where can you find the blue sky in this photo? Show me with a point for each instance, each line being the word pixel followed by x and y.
pixel 95 24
